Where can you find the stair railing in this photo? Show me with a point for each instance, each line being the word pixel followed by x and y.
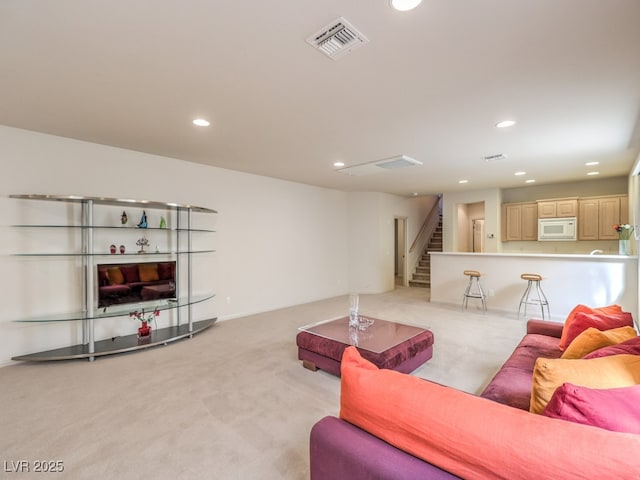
pixel 429 226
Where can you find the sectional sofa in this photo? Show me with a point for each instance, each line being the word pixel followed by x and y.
pixel 566 404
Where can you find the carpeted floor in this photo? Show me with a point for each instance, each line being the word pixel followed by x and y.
pixel 231 403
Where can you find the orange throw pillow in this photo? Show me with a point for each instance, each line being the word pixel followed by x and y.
pixel 148 272
pixel 605 372
pixel 576 322
pixel 473 437
pixel 115 276
pixel 592 339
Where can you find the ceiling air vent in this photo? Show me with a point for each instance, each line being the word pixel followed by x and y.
pixel 495 158
pixel 337 39
pixel 379 166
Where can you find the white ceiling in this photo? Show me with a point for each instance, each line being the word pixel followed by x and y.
pixel 430 84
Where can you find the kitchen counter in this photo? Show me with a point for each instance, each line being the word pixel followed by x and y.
pixel 568 279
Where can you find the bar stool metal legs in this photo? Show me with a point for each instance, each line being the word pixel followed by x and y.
pixel 474 289
pixel 533 283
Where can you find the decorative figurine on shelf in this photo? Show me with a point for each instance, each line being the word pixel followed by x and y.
pixel 123 218
pixel 143 220
pixel 122 249
pixel 112 249
pixel 142 242
pixel 163 223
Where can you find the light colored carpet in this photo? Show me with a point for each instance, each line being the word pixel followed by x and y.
pixel 231 403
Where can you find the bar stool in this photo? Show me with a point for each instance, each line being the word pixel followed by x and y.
pixel 533 278
pixel 474 289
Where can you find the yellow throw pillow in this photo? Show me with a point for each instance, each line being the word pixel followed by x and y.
pixel 114 274
pixel 148 272
pixel 606 372
pixel 592 339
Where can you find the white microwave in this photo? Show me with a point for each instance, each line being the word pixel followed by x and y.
pixel 557 229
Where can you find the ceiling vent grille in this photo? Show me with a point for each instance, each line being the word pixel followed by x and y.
pixel 379 166
pixel 495 158
pixel 337 39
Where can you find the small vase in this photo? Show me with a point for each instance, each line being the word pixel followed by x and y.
pixel 144 330
pixel 624 247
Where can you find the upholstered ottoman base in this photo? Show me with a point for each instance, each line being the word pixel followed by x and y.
pixel 324 353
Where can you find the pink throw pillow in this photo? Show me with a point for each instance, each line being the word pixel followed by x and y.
pixel 631 347
pixel 616 409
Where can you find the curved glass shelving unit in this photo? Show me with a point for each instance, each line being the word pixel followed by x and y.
pixel 87 313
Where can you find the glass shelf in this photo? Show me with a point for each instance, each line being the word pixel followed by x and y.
pixel 120 310
pixel 114 255
pixel 119 227
pixel 120 202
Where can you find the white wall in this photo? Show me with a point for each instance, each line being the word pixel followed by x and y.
pixel 278 243
pixel 371 237
pixel 450 211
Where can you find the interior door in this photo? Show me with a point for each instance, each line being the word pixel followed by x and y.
pixel 478 236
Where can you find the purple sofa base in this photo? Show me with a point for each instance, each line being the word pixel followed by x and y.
pixel 340 450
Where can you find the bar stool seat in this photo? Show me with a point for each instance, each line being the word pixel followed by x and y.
pixel 474 289
pixel 533 284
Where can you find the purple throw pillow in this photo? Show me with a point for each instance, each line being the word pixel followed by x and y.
pixel 630 347
pixel 616 409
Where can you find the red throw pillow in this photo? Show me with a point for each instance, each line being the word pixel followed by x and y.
pixel 616 409
pixel 602 320
pixel 631 347
pixel 130 273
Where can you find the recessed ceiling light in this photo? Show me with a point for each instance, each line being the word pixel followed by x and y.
pixel 593 173
pixel 405 5
pixel 531 180
pixel 518 174
pixel 505 124
pixel 591 164
pixel 201 122
pixel 415 194
pixel 338 164
pixel 463 181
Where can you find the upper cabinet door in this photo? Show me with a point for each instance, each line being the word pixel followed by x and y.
pixel 609 215
pixel 547 209
pixel 567 208
pixel 588 219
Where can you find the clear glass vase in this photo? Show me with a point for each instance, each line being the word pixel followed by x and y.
pixel 624 247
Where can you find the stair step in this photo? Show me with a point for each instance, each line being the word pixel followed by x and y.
pixel 418 283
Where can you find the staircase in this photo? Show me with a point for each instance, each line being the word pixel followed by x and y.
pixel 422 276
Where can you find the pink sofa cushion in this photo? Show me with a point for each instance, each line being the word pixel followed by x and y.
pixel 631 347
pixel 473 437
pixel 616 409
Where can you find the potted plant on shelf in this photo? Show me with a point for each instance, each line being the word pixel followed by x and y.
pixel 144 330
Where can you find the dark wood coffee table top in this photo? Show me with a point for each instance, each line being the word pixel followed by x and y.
pixel 378 337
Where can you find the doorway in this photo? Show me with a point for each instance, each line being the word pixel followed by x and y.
pixel 400 249
pixel 470 233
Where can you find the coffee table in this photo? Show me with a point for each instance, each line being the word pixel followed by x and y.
pixel 386 344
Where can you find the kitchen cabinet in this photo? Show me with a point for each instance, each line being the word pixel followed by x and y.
pixel 556 208
pixel 520 221
pixel 597 215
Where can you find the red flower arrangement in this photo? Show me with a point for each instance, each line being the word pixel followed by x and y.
pixel 624 230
